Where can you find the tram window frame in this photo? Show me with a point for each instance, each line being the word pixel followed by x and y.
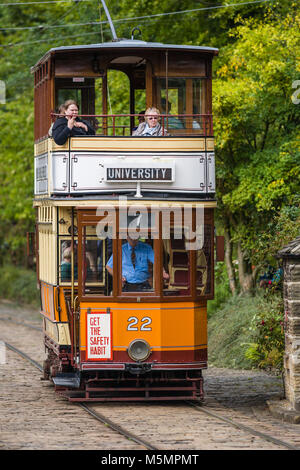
pixel 117 294
pixel 139 295
pixel 192 99
pixel 84 89
pixel 62 240
pixel 180 291
pixel 92 221
pixel 145 232
pixel 208 247
pixel 208 250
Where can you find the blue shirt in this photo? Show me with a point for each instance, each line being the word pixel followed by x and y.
pixel 143 254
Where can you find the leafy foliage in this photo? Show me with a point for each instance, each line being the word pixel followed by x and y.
pixel 257 131
pixel 267 333
pixel 255 120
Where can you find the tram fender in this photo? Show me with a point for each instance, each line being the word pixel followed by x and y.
pixel 67 379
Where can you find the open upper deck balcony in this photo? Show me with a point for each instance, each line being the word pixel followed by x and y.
pixel 126 76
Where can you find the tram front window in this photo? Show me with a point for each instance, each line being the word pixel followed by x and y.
pixel 137 265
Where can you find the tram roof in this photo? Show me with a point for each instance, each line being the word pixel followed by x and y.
pixel 130 44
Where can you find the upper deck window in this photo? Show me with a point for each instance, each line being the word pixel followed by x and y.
pixel 184 100
pixel 153 73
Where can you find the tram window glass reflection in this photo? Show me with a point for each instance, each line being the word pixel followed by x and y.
pixel 177 263
pixel 185 96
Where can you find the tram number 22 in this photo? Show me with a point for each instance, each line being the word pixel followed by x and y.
pixel 133 324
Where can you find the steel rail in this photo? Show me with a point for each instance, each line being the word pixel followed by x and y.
pixel 121 431
pixel 24 355
pixel 117 428
pixel 243 427
pixel 106 421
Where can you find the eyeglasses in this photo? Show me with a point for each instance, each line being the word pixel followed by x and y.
pixel 151 118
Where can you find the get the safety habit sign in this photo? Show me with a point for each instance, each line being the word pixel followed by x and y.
pixel 99 336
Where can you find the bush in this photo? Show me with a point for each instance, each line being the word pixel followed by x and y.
pixel 267 333
pixel 19 284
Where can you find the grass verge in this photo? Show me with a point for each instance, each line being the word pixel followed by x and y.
pixel 228 332
pixel 19 284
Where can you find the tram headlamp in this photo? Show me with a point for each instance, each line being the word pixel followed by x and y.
pixel 139 350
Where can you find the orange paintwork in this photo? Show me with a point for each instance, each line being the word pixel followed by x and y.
pixel 50 303
pixel 174 326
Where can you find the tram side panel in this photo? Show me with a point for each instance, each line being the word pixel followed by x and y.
pixel 175 332
pixel 54 298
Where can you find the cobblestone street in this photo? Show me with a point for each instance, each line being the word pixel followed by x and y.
pixel 34 417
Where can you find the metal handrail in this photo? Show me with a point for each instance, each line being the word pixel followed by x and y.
pixel 205 120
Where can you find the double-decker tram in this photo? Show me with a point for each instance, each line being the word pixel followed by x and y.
pixel 125 223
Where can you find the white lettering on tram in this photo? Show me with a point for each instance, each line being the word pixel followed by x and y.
pixel 138 221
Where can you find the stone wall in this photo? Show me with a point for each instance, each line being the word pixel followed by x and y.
pixel 291 266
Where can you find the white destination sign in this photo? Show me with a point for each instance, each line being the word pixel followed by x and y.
pixel 139 174
pixel 130 170
pixel 99 336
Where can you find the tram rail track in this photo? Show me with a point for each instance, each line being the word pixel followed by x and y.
pixel 119 429
pixel 248 429
pixel 98 416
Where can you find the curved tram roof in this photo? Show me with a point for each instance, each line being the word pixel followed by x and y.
pixel 127 44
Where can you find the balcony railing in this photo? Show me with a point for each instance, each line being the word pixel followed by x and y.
pixel 125 124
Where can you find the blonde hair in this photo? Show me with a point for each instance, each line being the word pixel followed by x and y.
pixel 151 111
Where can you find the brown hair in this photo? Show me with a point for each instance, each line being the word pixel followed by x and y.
pixel 69 102
pixel 61 109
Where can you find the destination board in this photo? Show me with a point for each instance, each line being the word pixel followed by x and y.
pixel 139 174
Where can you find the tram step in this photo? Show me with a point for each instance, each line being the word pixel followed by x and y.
pixel 67 379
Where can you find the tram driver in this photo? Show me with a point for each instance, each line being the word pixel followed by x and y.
pixel 136 257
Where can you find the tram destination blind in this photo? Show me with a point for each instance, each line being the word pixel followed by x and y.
pixel 139 174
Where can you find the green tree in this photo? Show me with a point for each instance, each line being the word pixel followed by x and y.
pixel 257 136
pixel 255 120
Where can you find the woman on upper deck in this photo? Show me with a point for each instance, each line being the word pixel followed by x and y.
pixel 70 125
pixel 151 126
